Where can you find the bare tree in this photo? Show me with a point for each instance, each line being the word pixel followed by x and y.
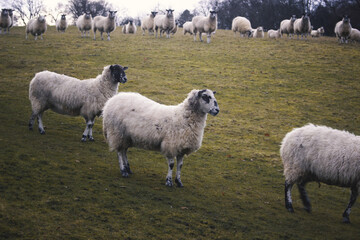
pixel 27 9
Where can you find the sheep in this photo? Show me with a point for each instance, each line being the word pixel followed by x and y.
pixel 343 29
pixel 287 26
pixel 147 23
pixel 258 33
pixel 322 154
pixel 241 25
pixel 84 24
pixel 274 33
pixel 302 26
pixel 129 28
pixel 5 20
pixel 71 96
pixel 36 26
pixel 188 28
pixel 206 25
pixel 355 35
pixel 61 25
pixel 104 24
pixel 317 33
pixel 164 22
pixel 132 120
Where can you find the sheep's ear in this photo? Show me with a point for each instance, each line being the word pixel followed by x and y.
pixel 214 92
pixel 125 68
pixel 200 93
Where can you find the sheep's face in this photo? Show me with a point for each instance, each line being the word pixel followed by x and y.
pixel 293 18
pixel 306 18
pixel 260 29
pixel 41 19
pixel 4 12
pixel 112 14
pixel 169 12
pixel 118 73
pixel 207 102
pixel 153 14
pixel 87 15
pixel 10 12
pixel 346 19
pixel 63 17
pixel 213 14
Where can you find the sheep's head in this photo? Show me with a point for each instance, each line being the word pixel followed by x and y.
pixel 112 14
pixel 63 17
pixel 4 12
pixel 87 15
pixel 213 14
pixel 305 18
pixel 154 13
pixel 260 29
pixel 41 19
pixel 10 12
pixel 118 73
pixel 207 102
pixel 293 18
pixel 346 19
pixel 169 12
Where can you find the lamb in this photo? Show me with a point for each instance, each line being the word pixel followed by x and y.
pixel 5 20
pixel 317 33
pixel 68 95
pixel 241 25
pixel 258 33
pixel 104 24
pixel 287 26
pixel 355 35
pixel 36 26
pixel 188 28
pixel 302 26
pixel 274 33
pixel 343 29
pixel 61 25
pixel 132 120
pixel 322 154
pixel 147 23
pixel 164 22
pixel 206 25
pixel 129 28
pixel 84 24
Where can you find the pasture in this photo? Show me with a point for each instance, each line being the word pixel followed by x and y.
pixel 53 186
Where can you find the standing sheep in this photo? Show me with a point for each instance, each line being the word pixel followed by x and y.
pixel 36 26
pixel 241 25
pixel 322 154
pixel 343 29
pixel 129 28
pixel 132 120
pixel 355 35
pixel 258 33
pixel 165 23
pixel 68 95
pixel 274 33
pixel 84 24
pixel 61 25
pixel 5 20
pixel 206 25
pixel 302 26
pixel 188 28
pixel 287 26
pixel 147 23
pixel 104 24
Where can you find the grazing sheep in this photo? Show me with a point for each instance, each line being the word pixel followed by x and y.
pixel 322 154
pixel 287 26
pixel 206 25
pixel 188 28
pixel 343 29
pixel 258 33
pixel 355 35
pixel 36 26
pixel 5 20
pixel 84 24
pixel 165 23
pixel 132 120
pixel 129 28
pixel 317 33
pixel 61 25
pixel 147 23
pixel 274 33
pixel 241 25
pixel 302 26
pixel 104 24
pixel 71 96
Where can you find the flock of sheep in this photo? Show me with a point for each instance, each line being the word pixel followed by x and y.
pixel 309 153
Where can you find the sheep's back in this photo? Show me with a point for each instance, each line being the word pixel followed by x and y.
pixel 241 24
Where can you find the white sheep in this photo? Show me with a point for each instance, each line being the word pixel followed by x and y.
pixel 355 35
pixel 274 33
pixel 302 26
pixel 61 24
pixel 147 23
pixel 5 20
pixel 71 96
pixel 322 154
pixel 206 25
pixel 104 24
pixel 343 29
pixel 84 24
pixel 241 25
pixel 188 28
pixel 132 120
pixel 258 33
pixel 165 23
pixel 318 32
pixel 129 28
pixel 287 26
pixel 36 26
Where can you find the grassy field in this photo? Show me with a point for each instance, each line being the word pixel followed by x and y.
pixel 56 187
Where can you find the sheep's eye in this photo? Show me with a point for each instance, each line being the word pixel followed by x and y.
pixel 206 98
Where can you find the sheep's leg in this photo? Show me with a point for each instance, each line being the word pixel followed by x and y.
pixel 304 197
pixel 40 123
pixel 288 200
pixel 208 37
pixel 169 182
pixel 200 36
pixel 179 162
pixel 108 36
pixel 353 196
pixel 101 35
pixel 126 162
pixel 94 34
pixel 32 120
pixel 194 36
pixel 88 130
pixel 36 36
pixel 123 170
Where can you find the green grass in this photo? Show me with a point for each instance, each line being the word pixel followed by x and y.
pixel 55 187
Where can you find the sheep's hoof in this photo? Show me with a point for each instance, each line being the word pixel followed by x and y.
pixel 290 209
pixel 124 173
pixel 169 182
pixel 91 139
pixel 346 220
pixel 42 131
pixel 31 128
pixel 179 183
pixel 83 139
